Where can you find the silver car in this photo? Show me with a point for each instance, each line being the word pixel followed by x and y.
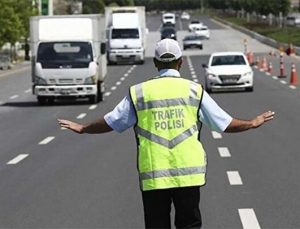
pixel 4 62
pixel 192 41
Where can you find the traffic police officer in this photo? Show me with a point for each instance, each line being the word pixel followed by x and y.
pixel 166 113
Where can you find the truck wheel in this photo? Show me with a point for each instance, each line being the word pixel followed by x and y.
pixel 93 99
pixel 99 92
pixel 42 100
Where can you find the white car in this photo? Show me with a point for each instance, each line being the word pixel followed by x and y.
pixel 169 18
pixel 228 71
pixel 194 25
pixel 202 31
pixel 185 16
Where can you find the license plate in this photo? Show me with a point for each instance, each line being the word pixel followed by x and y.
pixel 66 91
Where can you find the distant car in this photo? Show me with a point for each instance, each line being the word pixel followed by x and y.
pixel 168 32
pixel 169 18
pixel 4 62
pixel 185 16
pixel 202 31
pixel 228 71
pixel 192 41
pixel 194 25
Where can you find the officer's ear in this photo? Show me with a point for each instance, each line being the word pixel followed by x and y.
pixel 179 63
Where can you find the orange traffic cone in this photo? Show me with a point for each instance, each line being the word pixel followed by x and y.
pixel 270 68
pixel 250 58
pixel 263 65
pixel 294 77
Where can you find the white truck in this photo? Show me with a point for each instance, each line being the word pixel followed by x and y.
pixel 126 34
pixel 68 57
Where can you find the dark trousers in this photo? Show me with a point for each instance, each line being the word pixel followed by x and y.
pixel 157 207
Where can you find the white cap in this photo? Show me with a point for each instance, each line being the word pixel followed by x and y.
pixel 167 46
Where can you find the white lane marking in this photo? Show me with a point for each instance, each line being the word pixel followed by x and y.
pixel 46 140
pixel 216 135
pixel 113 88
pixel 196 81
pixel 234 178
pixel 92 107
pixel 118 83
pixel 28 90
pixel 17 159
pixel 129 71
pixel 126 74
pixel 275 77
pixel 255 67
pixel 192 72
pixel 63 128
pixel 14 96
pixel 81 116
pixel 224 152
pixel 283 82
pixel 194 76
pixel 248 218
pixel 268 73
pixel 293 87
pixel 107 93
pixel 122 78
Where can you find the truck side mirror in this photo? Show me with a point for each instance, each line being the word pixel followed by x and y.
pixel 103 48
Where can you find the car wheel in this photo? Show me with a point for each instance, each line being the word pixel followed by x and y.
pixel 200 47
pixel 250 89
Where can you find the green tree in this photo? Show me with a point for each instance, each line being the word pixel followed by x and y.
pixel 93 7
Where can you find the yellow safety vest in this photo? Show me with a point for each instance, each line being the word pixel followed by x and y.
pixel 170 154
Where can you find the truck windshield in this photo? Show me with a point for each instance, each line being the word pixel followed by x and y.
pixel 125 34
pixel 65 54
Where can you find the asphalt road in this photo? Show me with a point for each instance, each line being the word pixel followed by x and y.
pixel 52 178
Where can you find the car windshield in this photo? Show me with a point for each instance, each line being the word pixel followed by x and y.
pixel 228 60
pixel 192 38
pixel 195 22
pixel 70 54
pixel 125 34
pixel 169 17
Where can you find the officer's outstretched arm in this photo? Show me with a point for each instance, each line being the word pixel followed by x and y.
pixel 238 125
pixel 97 127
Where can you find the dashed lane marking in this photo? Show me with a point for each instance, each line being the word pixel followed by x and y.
pixel 224 152
pixel 118 83
pixel 81 116
pixel 283 82
pixel 126 74
pixel 292 87
pixel 113 88
pixel 196 81
pixel 275 77
pixel 248 218
pixel 107 94
pixel 14 97
pixel 92 107
pixel 17 159
pixel 216 135
pixel 234 178
pixel 28 90
pixel 122 78
pixel 46 140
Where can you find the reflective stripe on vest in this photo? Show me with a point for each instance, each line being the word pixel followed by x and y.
pixel 172 172
pixel 162 141
pixel 142 105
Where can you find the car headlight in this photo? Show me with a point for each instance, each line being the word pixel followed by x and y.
pixel 211 75
pixel 247 74
pixel 39 81
pixel 90 80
